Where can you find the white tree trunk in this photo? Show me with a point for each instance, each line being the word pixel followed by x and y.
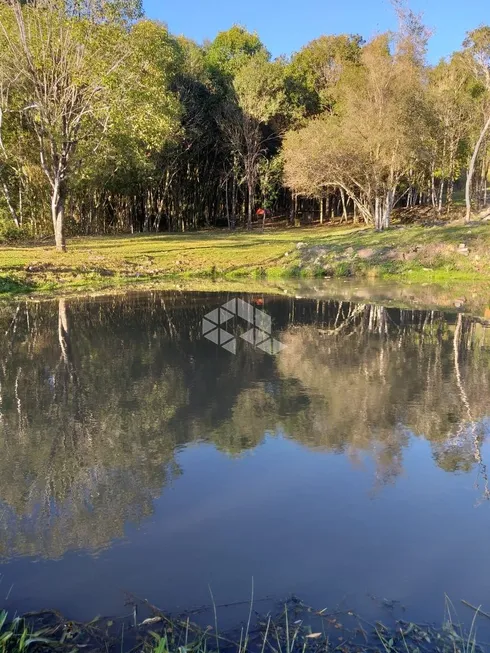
pixel 10 206
pixel 58 215
pixel 471 168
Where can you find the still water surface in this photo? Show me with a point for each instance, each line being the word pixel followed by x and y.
pixel 137 455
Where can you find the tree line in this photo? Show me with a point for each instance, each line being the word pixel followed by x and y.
pixel 109 123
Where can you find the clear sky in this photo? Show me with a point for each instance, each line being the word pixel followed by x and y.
pixel 285 25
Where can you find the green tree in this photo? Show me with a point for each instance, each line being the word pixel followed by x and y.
pixel 450 97
pixel 317 68
pixel 61 68
pixel 368 147
pixel 231 49
pixel 86 87
pixel 258 101
pixel 477 50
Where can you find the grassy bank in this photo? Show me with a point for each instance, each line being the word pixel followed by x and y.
pixel 418 254
pixel 293 627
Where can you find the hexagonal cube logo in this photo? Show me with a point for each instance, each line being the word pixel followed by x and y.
pixel 259 335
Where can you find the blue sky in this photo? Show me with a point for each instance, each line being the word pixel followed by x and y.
pixel 285 25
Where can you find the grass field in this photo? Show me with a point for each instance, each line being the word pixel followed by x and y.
pixel 453 252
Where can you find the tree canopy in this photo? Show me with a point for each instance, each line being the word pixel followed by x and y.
pixel 110 123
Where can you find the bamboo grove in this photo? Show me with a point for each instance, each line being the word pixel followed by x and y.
pixel 109 123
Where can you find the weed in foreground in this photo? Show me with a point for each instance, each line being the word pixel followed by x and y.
pixel 15 636
pixel 294 627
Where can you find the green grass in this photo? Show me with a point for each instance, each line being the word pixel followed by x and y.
pixel 413 254
pixel 12 286
pixel 17 637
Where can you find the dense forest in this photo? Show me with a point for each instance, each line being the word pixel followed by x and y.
pixel 109 123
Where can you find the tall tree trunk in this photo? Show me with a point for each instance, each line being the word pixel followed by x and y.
pixel 441 196
pixel 344 206
pixel 233 202
pixel 388 207
pixel 227 204
pixel 485 189
pixel 408 202
pixel 433 187
pixel 471 169
pixel 382 210
pixel 484 180
pixel 10 206
pixel 377 214
pixel 250 202
pixel 450 191
pixel 58 197
pixel 291 210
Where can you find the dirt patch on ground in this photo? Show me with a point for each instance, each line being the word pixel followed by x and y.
pixel 468 253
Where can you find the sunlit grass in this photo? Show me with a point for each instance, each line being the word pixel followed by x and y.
pixel 414 253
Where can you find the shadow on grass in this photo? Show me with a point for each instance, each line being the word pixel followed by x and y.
pixel 9 286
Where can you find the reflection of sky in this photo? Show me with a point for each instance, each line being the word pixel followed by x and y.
pixel 387 516
pixel 297 521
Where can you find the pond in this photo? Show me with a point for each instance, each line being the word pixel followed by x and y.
pixel 138 454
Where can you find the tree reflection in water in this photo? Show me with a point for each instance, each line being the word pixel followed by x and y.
pixel 98 396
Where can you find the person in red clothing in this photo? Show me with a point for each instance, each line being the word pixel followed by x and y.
pixel 263 213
